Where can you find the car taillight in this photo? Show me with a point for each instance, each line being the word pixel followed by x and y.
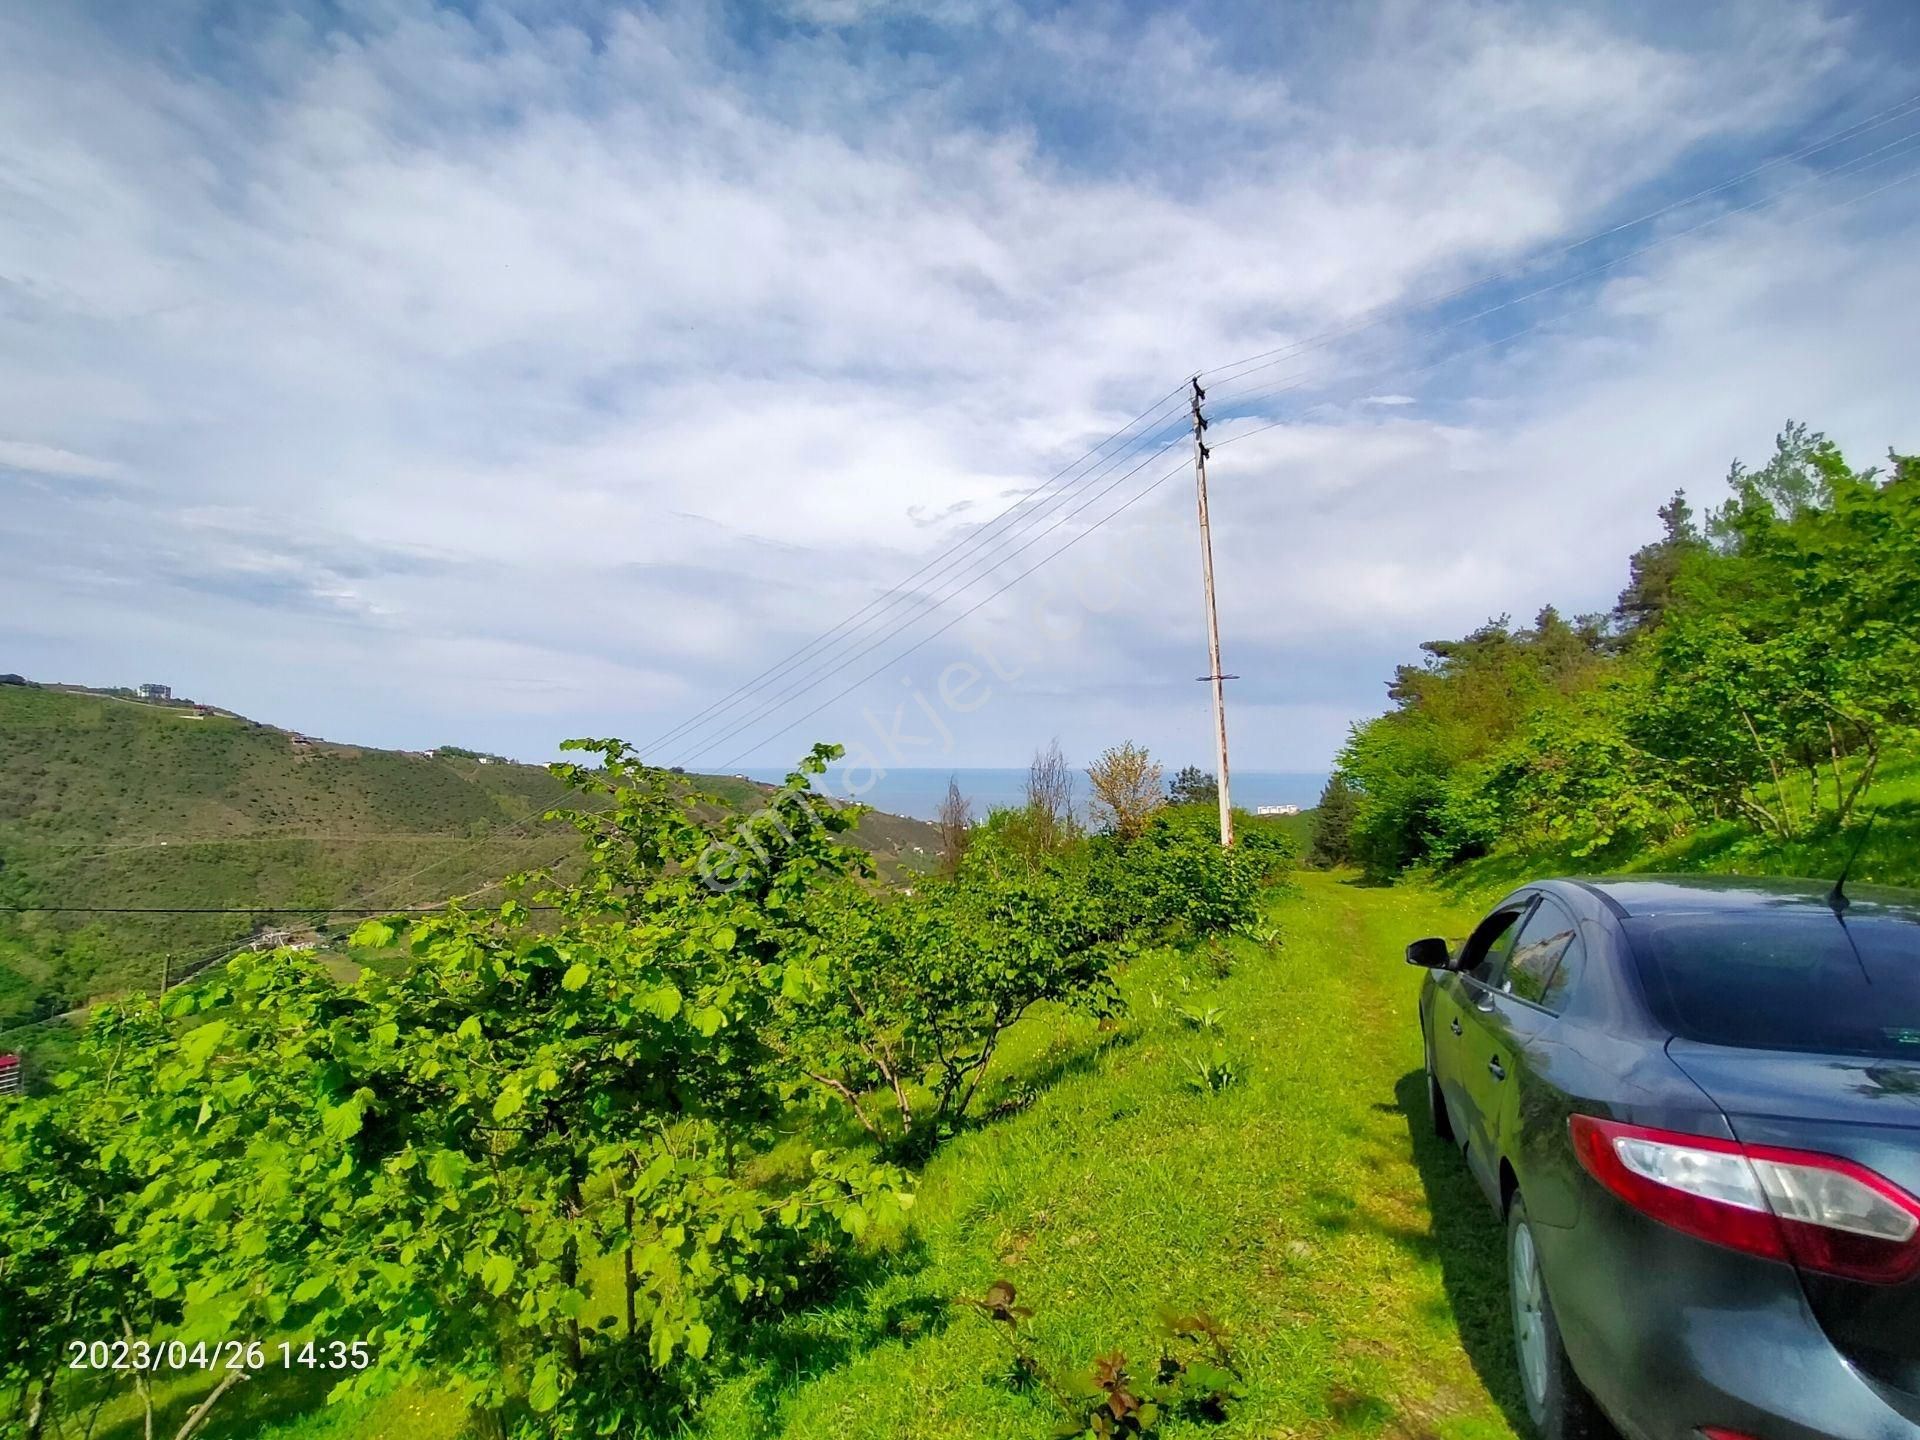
pixel 1817 1212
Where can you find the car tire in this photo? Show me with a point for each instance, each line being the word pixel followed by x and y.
pixel 1436 1102
pixel 1557 1403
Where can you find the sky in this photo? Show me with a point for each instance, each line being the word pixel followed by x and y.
pixel 490 375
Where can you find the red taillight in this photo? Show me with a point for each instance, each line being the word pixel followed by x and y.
pixel 1818 1212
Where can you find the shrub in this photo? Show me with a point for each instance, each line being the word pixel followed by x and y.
pixel 1126 789
pixel 1175 875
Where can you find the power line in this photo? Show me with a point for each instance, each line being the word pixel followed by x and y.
pixel 926 639
pixel 884 637
pixel 1513 335
pixel 1858 165
pixel 926 602
pixel 976 537
pixel 936 602
pixel 1887 115
pixel 187 842
pixel 1900 110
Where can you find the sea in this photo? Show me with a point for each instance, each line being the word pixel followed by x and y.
pixel 918 793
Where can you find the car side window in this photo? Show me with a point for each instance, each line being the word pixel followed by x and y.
pixel 1547 956
pixel 1487 948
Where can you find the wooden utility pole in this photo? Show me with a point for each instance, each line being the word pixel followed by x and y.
pixel 1200 453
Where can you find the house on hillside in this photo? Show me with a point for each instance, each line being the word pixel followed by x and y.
pixel 1276 809
pixel 156 692
pixel 10 1075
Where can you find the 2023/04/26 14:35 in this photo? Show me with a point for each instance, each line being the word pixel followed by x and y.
pixel 158 1355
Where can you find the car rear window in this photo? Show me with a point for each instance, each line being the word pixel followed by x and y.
pixel 1800 981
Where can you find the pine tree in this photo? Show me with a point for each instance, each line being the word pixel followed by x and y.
pixel 1193 786
pixel 1332 842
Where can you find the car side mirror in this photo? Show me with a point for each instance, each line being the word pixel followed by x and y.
pixel 1430 954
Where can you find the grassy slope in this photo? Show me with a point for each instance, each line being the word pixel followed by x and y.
pixel 1890 854
pixel 1307 1206
pixel 90 785
pixel 1295 1205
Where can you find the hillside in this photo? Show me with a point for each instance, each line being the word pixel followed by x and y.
pixel 107 801
pixel 1748 704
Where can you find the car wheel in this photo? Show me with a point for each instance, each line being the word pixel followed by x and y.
pixel 1557 1403
pixel 1436 1102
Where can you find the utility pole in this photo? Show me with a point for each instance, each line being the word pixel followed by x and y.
pixel 1200 453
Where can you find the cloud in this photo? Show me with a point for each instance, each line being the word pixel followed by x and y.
pixel 51 460
pixel 583 367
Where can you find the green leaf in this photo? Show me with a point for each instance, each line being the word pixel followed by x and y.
pixel 497 1273
pixel 469 1028
pixel 342 1122
pixel 577 975
pixel 507 1104
pixel 198 1045
pixel 544 1392
pixel 372 935
pixel 447 1170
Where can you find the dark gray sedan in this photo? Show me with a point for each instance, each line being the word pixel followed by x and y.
pixel 1697 1104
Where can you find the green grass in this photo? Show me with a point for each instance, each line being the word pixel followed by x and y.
pixel 1296 1205
pixel 1306 1205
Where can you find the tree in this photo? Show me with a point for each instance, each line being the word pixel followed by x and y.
pixel 1193 786
pixel 956 818
pixel 1332 842
pixel 1796 480
pixel 908 993
pixel 1757 668
pixel 1652 570
pixel 63 1184
pixel 1126 789
pixel 1050 798
pixel 570 1084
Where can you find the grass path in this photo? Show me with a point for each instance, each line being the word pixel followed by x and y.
pixel 1298 1205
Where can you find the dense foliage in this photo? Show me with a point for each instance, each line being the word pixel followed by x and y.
pixel 1757 667
pixel 544 1163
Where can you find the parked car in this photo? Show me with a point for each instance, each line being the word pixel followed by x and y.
pixel 1697 1104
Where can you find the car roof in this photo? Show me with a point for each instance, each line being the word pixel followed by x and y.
pixel 1638 895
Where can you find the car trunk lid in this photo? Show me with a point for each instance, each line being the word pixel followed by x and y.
pixel 1861 1109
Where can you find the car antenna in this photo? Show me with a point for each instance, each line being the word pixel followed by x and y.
pixel 1837 900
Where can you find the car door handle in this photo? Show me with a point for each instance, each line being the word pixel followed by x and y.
pixel 1456 1024
pixel 1496 1069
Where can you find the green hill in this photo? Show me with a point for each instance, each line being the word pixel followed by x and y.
pixel 112 802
